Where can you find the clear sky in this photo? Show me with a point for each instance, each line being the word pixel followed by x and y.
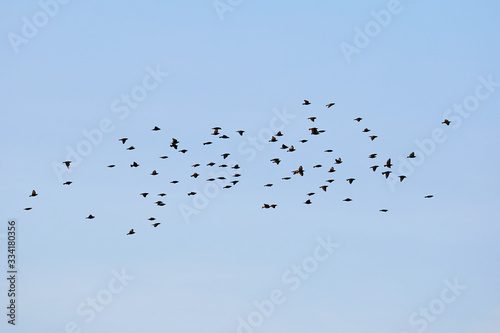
pixel 77 76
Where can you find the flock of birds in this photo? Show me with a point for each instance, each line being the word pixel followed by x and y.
pixel 233 181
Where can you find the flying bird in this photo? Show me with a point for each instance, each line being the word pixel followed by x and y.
pixel 306 102
pixel 314 130
pixel 308 202
pixel 131 148
pixel 27 208
pixel 412 155
pixel 33 194
pixel 240 132
pixel 151 219
pixel 350 180
pixel 236 166
pixel 90 217
pixel 162 194
pixel 386 174
pixel 312 119
pixel 268 185
pixel 273 139
pixel 447 122
pixel 286 178
pixel 156 224
pixel 310 193
pixel 323 187
pixel 67 163
pixel 225 155
pixel 317 166
pixel 384 210
pixel 372 156
pixel 131 232
pixel 123 140
pixel 366 130
pixel 154 173
pixel 134 165
pixel 195 165
pixel 111 166
pixel 330 180
pixel 387 164
pixel 330 105
pixel 338 160
pixel 144 194
pixel 303 141
pixel 429 196
pixel 174 181
pixel 347 199
pixel 358 119
pixel 67 183
pixel 163 157
pixel 211 164
pixel 291 149
pixel 279 133
pixel 224 136
pixel 374 167
pixel 331 170
pixel 156 128
pixel 401 178
pixel 183 151
pixel 207 143
pixel 373 137
pixel 191 193
pixel 328 151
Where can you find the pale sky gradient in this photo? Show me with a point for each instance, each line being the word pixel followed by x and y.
pixel 239 69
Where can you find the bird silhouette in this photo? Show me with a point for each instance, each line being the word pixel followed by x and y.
pixel 90 217
pixel 358 119
pixel 279 133
pixel 386 174
pixel 67 183
pixel 131 148
pixel 156 128
pixel 412 155
pixel 387 164
pixel 154 173
pixel 195 165
pixel 350 180
pixel 191 193
pixel 330 105
pixel 308 202
pixel 323 187
pixel 33 194
pixel 429 196
pixel 306 102
pixel 144 194
pixel 373 137
pixel 372 156
pixel 211 164
pixel 446 122
pixel 374 167
pixel 338 160
pixel 163 157
pixel 207 143
pixel 28 208
pixel 314 130
pixel 225 155
pixel 111 166
pixel 366 130
pixel 291 149
pixel 312 119
pixel 67 163
pixel 303 141
pixel 224 136
pixel 131 232
pixel 401 178
pixel 347 199
pixel 134 165
pixel 123 140
pixel 383 210
pixel 273 139
pixel 331 170
pixel 240 132
pixel 156 224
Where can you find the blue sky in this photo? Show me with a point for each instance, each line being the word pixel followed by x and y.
pixel 89 73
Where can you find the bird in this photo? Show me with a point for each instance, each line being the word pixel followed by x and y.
pixel 225 155
pixel 279 133
pixel 372 156
pixel 332 169
pixel 234 182
pixel 374 167
pixel 151 219
pixel 223 166
pixel 191 193
pixel 159 202
pixel 194 175
pixel 330 180
pixel 183 151
pixel 330 105
pixel 123 140
pixel 401 178
pixel 373 137
pixel 306 102
pixel 216 131
pixel 207 143
pixel 323 187
pixel 224 136
pixel 240 132
pixel 312 119
pixel 387 164
pixel 221 178
pixel 211 164
pixel 131 148
pixel 447 122
pixel 299 171
pixel 317 166
pixel 144 194
pixel 236 175
pixel 131 232
pixel 236 166
pixel 111 166
pixel 286 178
pixel 350 180
pixel 366 130
pixel 33 194
pixel 273 139
pixel 90 217
pixel 291 149
pixel 273 205
pixel 134 165
pixel 303 141
pixel 162 194
pixel 163 157
pixel 283 146
pixel 67 183
pixel 338 160
pixel 386 174
pixel 314 130
pixel 156 128
pixel 310 193
pixel 28 208
pixel 308 202
pixel 358 119
pixel 154 173
pixel 156 224
pixel 67 163
pixel 216 128
pixel 266 206
pixel 347 199
pixel 412 155
pixel 383 210
pixel 328 151
pixel 268 185
pixel 210 179
pixel 195 165
pixel 174 181
pixel 429 196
